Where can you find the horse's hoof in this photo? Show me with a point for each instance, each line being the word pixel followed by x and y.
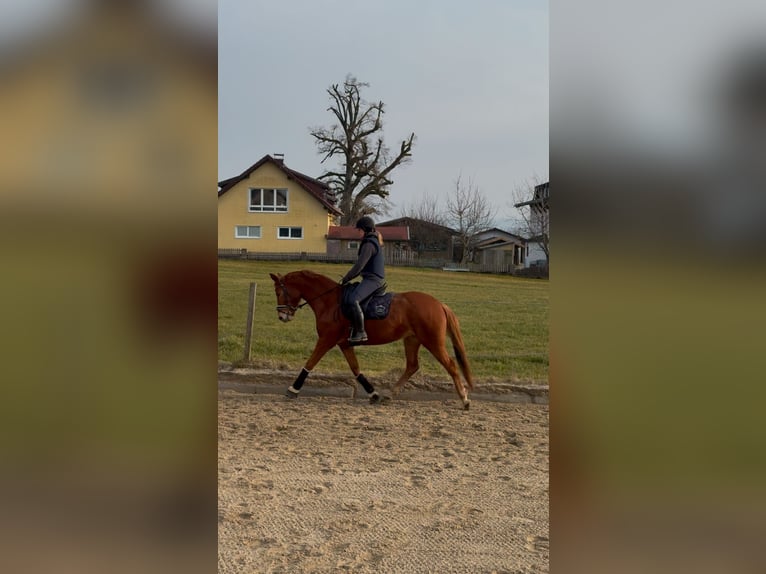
pixel 376 399
pixel 466 405
pixel 291 394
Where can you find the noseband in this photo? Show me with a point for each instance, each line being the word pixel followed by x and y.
pixel 287 307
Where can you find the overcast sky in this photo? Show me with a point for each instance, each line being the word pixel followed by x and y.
pixel 469 78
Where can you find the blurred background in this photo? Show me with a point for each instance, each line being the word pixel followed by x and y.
pixel 107 244
pixel 658 157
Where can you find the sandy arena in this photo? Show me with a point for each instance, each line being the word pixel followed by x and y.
pixel 333 484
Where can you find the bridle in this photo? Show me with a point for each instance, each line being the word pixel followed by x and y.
pixel 290 309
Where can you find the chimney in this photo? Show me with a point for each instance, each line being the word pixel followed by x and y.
pixel 280 157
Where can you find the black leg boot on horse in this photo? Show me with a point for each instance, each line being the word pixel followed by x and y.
pixel 358 334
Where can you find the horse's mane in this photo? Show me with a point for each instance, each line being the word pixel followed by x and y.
pixel 311 275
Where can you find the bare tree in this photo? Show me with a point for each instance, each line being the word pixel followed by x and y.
pixel 469 212
pixel 361 182
pixel 530 200
pixel 425 208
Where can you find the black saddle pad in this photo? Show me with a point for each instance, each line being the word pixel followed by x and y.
pixel 374 307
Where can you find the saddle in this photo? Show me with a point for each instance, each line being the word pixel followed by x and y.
pixel 376 306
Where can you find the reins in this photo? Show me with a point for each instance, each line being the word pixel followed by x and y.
pixel 318 296
pixel 306 302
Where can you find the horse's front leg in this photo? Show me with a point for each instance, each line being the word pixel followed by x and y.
pixel 320 350
pixel 352 361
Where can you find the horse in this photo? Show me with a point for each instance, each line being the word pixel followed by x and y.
pixel 416 317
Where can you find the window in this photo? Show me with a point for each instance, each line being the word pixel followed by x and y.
pixel 268 200
pixel 290 232
pixel 247 231
pixel 353 245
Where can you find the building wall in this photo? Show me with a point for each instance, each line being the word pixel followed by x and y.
pixel 513 253
pixel 507 255
pixel 343 247
pixel 396 252
pixel 303 210
pixel 350 247
pixel 432 243
pixel 535 254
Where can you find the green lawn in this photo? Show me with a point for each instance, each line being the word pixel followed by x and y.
pixel 504 321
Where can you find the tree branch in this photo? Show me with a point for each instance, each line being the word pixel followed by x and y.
pixel 361 186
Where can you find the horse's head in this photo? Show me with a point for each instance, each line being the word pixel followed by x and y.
pixel 287 298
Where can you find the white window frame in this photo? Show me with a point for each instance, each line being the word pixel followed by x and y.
pixel 353 245
pixel 272 207
pixel 290 229
pixel 248 228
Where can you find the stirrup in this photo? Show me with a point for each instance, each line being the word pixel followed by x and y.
pixel 357 337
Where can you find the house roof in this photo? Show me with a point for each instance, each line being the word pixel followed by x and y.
pixel 495 234
pixel 540 196
pixel 495 242
pixel 537 201
pixel 350 232
pixel 318 189
pixel 412 221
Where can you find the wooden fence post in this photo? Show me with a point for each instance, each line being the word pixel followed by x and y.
pixel 249 326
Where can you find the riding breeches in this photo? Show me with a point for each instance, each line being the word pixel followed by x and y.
pixel 367 287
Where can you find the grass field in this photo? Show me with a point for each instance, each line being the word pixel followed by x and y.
pixel 504 321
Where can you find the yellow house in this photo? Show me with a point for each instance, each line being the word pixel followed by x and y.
pixel 270 208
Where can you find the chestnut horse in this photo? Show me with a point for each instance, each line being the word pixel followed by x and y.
pixel 416 317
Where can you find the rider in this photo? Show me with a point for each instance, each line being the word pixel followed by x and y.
pixel 370 263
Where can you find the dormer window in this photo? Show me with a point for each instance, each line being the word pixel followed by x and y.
pixel 267 200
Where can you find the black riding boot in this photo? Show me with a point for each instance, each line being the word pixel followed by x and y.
pixel 357 325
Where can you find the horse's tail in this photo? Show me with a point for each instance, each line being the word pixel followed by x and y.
pixel 453 330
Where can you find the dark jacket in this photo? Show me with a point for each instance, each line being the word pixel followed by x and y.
pixel 370 262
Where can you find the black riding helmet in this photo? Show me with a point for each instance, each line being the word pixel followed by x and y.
pixel 366 223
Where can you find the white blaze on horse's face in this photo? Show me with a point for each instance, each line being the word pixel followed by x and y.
pixel 284 316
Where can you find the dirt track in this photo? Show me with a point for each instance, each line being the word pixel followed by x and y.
pixel 334 484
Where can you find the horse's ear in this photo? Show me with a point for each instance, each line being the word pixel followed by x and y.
pixel 275 278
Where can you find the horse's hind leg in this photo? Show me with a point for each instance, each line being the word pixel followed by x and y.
pixel 411 348
pixel 438 350
pixel 353 363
